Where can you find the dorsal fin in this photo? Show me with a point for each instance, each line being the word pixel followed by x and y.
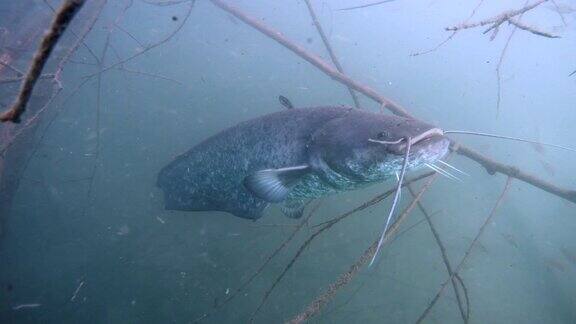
pixel 285 102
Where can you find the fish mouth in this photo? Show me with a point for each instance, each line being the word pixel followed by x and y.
pixel 429 150
pixel 426 147
pixel 418 142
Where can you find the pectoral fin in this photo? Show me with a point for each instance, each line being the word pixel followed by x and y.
pixel 273 185
pixel 293 208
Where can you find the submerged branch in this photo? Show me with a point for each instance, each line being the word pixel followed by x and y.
pixel 18 79
pixel 468 251
pixel 498 69
pixel 447 39
pixel 59 24
pixel 497 20
pixel 464 313
pixel 319 302
pixel 532 30
pixel 329 49
pixel 489 164
pixel 150 47
pixel 323 227
pixel 507 16
pixel 366 5
pixel 255 274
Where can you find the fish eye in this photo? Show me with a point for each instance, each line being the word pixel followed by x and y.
pixel 382 135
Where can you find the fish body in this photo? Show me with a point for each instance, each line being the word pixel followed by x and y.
pixel 290 157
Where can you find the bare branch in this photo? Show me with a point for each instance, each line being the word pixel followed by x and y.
pixel 465 314
pixel 447 39
pixel 329 49
pixel 498 74
pixel 61 21
pixel 247 282
pixel 469 250
pixel 153 75
pixel 18 79
pixel 497 20
pixel 366 5
pixel 319 302
pixel 559 12
pixel 152 46
pixel 10 67
pixel 531 29
pixel 323 227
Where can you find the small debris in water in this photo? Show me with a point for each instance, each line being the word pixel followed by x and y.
pixel 76 291
pixel 22 306
pixel 569 255
pixel 160 220
pixel 123 230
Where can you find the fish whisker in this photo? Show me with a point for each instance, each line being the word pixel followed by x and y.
pixel 453 167
pixel 395 202
pixel 443 172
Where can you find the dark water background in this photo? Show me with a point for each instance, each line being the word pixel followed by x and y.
pixel 140 264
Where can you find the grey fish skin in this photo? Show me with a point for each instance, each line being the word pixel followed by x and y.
pixel 304 153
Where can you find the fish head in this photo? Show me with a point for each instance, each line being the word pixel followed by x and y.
pixel 371 147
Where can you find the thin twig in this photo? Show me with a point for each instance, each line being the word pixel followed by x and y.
pixel 468 251
pixel 323 227
pixel 57 88
pixel 558 11
pixel 497 20
pixel 164 3
pixel 444 254
pixel 531 29
pixel 12 68
pixel 255 274
pixel 122 29
pixel 466 295
pixel 319 302
pixel 329 49
pixel 19 79
pixel 366 5
pixel 29 122
pixel 152 46
pixel 498 74
pixel 90 51
pixel 79 40
pixel 454 32
pixel 76 291
pixel 153 75
pixel 61 21
pixel 500 61
pixel 98 112
pixel 508 16
pixel 346 302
